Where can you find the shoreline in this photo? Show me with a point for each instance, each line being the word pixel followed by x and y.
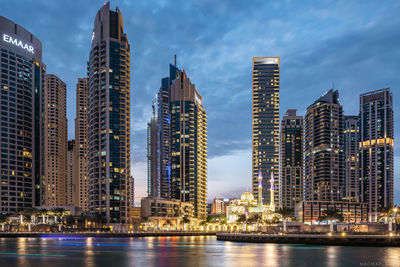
pixel 100 235
pixel 315 239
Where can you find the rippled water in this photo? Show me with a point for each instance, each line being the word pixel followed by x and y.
pixel 183 251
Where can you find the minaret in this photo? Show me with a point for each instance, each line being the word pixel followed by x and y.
pixel 272 202
pixel 259 197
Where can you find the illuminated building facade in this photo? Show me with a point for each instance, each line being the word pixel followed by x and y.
pixel 109 118
pixel 265 128
pixel 351 140
pixel 81 150
pixel 324 163
pixel 291 160
pixel 153 156
pixel 376 150
pixel 188 145
pixel 55 137
pixel 312 211
pixel 164 125
pixel 22 84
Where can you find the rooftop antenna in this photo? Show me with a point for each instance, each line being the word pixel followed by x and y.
pixel 175 60
pixel 333 84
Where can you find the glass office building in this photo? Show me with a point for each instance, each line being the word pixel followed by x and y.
pixel 21 88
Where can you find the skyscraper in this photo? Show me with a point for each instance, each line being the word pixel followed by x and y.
pixel 21 88
pixel 351 143
pixel 109 118
pixel 376 150
pixel 188 145
pixel 153 156
pixel 291 160
pixel 81 150
pixel 164 121
pixel 70 182
pixel 323 149
pixel 265 133
pixel 55 137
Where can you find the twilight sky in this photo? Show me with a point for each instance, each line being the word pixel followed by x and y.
pixel 356 44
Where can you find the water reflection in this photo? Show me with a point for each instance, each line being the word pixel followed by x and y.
pixel 182 251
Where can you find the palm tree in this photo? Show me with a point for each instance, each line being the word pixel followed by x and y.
pixel 99 219
pixel 3 220
pixel 285 213
pixel 210 219
pixel 185 220
pixel 255 219
pixel 21 213
pixel 332 215
pixel 242 219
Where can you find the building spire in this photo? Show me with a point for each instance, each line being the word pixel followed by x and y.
pixel 272 201
pixel 259 197
pixel 175 60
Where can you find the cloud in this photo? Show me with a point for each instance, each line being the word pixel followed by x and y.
pixel 355 44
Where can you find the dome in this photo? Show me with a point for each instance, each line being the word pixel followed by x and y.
pixel 247 196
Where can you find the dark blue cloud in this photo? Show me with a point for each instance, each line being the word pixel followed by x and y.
pixel 353 43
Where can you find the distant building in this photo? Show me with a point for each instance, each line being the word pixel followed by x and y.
pixel 153 157
pixel 209 208
pixel 376 150
pixel 81 155
pixel 265 132
pixel 312 211
pixel 324 162
pixel 351 149
pixel 219 206
pixel 291 160
pixel 70 184
pixel 22 85
pixel 55 138
pixel 109 118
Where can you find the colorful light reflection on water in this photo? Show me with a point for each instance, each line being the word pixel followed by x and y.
pixel 181 251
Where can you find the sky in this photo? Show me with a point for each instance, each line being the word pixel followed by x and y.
pixel 354 45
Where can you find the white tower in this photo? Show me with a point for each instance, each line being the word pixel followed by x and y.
pixel 259 198
pixel 272 202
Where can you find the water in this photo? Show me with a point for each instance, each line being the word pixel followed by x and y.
pixel 183 251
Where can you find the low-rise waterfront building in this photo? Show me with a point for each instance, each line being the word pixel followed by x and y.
pixel 314 211
pixel 166 214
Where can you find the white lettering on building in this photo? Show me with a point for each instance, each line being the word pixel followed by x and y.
pixel 14 41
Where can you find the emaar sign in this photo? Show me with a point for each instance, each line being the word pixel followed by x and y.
pixel 14 41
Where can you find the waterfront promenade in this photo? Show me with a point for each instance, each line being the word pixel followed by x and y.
pixel 102 234
pixel 315 239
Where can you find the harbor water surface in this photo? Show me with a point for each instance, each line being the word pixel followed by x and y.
pixel 183 251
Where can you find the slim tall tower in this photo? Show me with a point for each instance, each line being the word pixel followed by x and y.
pixel 351 149
pixel 70 183
pixel 21 87
pixel 265 132
pixel 324 149
pixel 153 156
pixel 55 143
pixel 164 125
pixel 376 150
pixel 188 145
pixel 81 150
pixel 291 160
pixel 109 118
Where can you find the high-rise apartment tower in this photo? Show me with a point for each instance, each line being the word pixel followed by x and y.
pixel 265 132
pixel 109 118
